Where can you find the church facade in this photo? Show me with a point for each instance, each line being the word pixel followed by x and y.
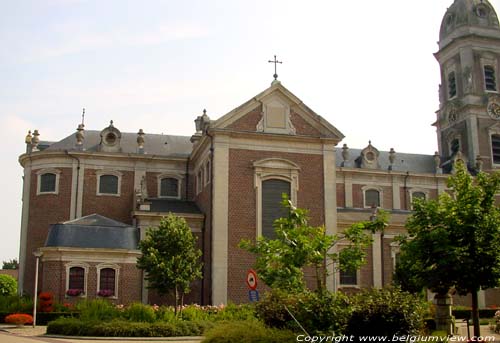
pixel 90 197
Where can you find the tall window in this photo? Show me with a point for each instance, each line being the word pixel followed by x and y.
pixel 452 85
pixel 418 195
pixel 199 181
pixel 48 183
pixel 77 278
pixel 490 82
pixel 107 281
pixel 169 187
pixel 454 146
pixel 272 191
pixel 108 184
pixel 348 277
pixel 495 148
pixel 372 198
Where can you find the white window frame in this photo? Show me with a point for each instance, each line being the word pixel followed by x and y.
pixel 380 195
pixel 274 168
pixel 169 176
pixel 85 267
pixel 103 172
pixel 116 268
pixel 415 190
pixel 41 172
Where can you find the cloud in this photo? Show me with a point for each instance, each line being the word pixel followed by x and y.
pixel 120 38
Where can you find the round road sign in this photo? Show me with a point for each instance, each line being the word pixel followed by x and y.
pixel 251 279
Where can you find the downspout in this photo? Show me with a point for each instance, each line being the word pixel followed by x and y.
pixel 211 201
pixel 406 190
pixel 77 180
pixel 187 178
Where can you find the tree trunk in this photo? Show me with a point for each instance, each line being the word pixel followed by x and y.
pixel 176 300
pixel 475 314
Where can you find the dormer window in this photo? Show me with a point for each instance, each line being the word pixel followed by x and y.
pixel 452 85
pixel 372 196
pixel 490 82
pixel 110 138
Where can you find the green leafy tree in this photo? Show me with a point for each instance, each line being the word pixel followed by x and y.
pixel 280 261
pixel 8 285
pixel 11 264
pixel 454 242
pixel 170 257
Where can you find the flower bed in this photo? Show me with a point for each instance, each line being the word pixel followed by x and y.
pixel 19 319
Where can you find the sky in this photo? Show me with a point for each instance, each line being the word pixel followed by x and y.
pixel 366 66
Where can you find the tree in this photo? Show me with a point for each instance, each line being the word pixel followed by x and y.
pixel 170 257
pixel 8 285
pixel 453 242
pixel 11 264
pixel 280 261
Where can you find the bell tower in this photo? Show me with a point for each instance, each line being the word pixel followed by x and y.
pixel 468 119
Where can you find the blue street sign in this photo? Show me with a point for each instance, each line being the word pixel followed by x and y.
pixel 253 295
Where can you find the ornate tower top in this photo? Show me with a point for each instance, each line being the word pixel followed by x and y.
pixel 466 17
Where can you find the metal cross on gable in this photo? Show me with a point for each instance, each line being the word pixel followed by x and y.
pixel 275 63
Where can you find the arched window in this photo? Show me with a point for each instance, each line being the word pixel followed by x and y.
pixel 418 195
pixel 76 279
pixel 495 148
pixel 272 209
pixel 454 146
pixel 169 187
pixel 108 184
pixel 372 198
pixel 107 282
pixel 452 85
pixel 48 181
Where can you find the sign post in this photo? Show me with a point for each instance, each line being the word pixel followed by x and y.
pixel 251 280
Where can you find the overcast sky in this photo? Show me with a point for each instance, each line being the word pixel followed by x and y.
pixel 366 66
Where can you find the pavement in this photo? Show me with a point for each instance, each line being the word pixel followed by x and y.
pixel 28 334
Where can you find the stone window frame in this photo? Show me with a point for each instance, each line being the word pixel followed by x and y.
pixel 85 267
pixel 337 273
pixel 208 172
pixel 199 180
pixel 103 172
pixel 491 132
pixel 492 62
pixel 451 70
pixel 395 250
pixel 116 268
pixel 417 190
pixel 380 191
pixel 44 171
pixel 169 176
pixel 273 168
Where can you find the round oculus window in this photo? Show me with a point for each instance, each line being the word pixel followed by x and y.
pixel 111 138
pixel 370 156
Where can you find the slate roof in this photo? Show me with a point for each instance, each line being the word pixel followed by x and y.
pixel 161 145
pixel 415 163
pixel 93 231
pixel 174 206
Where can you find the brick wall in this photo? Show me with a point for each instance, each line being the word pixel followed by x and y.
pixel 340 195
pixel 117 208
pixel 44 210
pixel 242 207
pixel 249 121
pixel 302 127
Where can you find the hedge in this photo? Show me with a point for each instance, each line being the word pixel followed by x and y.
pixel 466 313
pixel 43 318
pixel 251 331
pixel 121 328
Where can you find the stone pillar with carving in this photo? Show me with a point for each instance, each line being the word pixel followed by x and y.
pixel 444 319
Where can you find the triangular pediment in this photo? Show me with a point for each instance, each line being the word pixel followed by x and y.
pixel 276 110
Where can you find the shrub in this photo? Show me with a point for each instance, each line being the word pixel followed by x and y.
pixel 8 285
pixel 166 314
pixel 137 312
pixel 193 313
pixel 46 302
pixel 385 312
pixel 19 319
pixel 232 312
pixel 16 304
pixel 121 328
pixel 324 312
pixel 247 332
pixel 97 310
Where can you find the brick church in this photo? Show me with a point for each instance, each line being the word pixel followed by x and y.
pixel 89 198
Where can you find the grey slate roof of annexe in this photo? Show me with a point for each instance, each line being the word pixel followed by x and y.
pixel 415 163
pixel 93 231
pixel 176 146
pixel 174 206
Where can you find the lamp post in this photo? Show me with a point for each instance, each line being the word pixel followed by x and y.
pixel 373 219
pixel 37 254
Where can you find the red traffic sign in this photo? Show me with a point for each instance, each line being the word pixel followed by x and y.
pixel 251 279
